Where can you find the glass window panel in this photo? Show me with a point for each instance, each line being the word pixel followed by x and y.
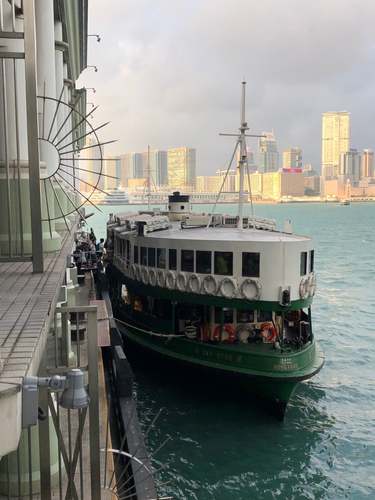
pixel 151 257
pixel 172 259
pixel 311 261
pixel 203 262
pixel 303 266
pixel 264 316
pixel 161 255
pixel 250 264
pixel 187 261
pixel 224 263
pixel 245 316
pixel 144 256
pixel 135 254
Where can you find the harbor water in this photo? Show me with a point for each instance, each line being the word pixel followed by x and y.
pixel 223 446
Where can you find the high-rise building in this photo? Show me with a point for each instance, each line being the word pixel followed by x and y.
pixel 268 153
pixel 335 140
pixel 90 177
pixel 126 169
pixel 367 167
pixel 230 180
pixel 111 169
pixel 181 168
pixel 155 163
pixel 292 158
pixel 350 166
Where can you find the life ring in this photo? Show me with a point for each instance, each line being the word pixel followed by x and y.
pixel 160 278
pixel 268 333
pixel 304 288
pixel 191 331
pixel 312 284
pixel 181 282
pixel 152 277
pixel 243 332
pixel 170 280
pixel 228 330
pixel 194 283
pixel 251 289
pixel 228 287
pixel 133 271
pixel 144 275
pixel 209 285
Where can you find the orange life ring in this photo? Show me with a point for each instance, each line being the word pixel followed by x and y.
pixel 268 333
pixel 229 329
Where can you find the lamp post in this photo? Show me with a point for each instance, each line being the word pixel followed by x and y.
pixel 92 66
pixel 98 38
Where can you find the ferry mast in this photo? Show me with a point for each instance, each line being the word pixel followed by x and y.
pixel 243 161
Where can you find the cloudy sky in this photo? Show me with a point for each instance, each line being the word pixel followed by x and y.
pixel 170 72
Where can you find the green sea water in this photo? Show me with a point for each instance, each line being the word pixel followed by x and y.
pixel 225 447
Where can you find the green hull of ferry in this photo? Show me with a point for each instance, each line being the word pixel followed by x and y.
pixel 268 373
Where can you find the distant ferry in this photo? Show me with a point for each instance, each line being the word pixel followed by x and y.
pixel 227 294
pixel 111 197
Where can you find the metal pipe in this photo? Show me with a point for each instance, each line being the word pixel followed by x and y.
pixel 18 156
pixel 6 158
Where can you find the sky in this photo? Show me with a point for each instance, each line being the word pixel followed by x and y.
pixel 170 72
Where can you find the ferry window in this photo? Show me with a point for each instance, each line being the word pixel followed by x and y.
pixel 203 262
pixel 182 207
pixel 311 261
pixel 135 254
pixel 228 315
pixel 161 258
pixel 245 317
pixel 250 264
pixel 187 260
pixel 151 257
pixel 264 316
pixel 224 263
pixel 172 259
pixel 303 265
pixel 144 256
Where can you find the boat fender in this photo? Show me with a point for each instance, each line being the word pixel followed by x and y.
pixel 194 283
pixel 170 280
pixel 251 289
pixel 304 288
pixel 228 334
pixel 209 285
pixel 160 278
pixel 268 333
pixel 181 282
pixel 152 277
pixel 144 274
pixel 228 287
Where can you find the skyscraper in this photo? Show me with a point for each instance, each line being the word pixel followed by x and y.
pixel 158 167
pixel 367 167
pixel 292 158
pixel 111 167
pixel 268 153
pixel 181 168
pixel 335 140
pixel 350 167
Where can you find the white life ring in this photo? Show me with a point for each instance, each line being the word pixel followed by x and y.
pixel 251 289
pixel 209 285
pixel 194 283
pixel 152 277
pixel 304 288
pixel 133 271
pixel 228 287
pixel 144 275
pixel 170 280
pixel 312 284
pixel 181 282
pixel 191 331
pixel 160 278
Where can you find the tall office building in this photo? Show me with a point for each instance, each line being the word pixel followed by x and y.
pixel 335 141
pixel 91 176
pixel 181 168
pixel 367 166
pixel 268 153
pixel 126 169
pixel 112 168
pixel 157 166
pixel 230 180
pixel 350 167
pixel 292 158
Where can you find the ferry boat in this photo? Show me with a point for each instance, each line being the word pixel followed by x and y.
pixel 226 294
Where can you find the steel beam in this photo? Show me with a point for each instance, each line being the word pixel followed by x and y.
pixel 32 136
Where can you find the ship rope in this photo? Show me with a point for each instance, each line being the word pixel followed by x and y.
pixel 150 332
